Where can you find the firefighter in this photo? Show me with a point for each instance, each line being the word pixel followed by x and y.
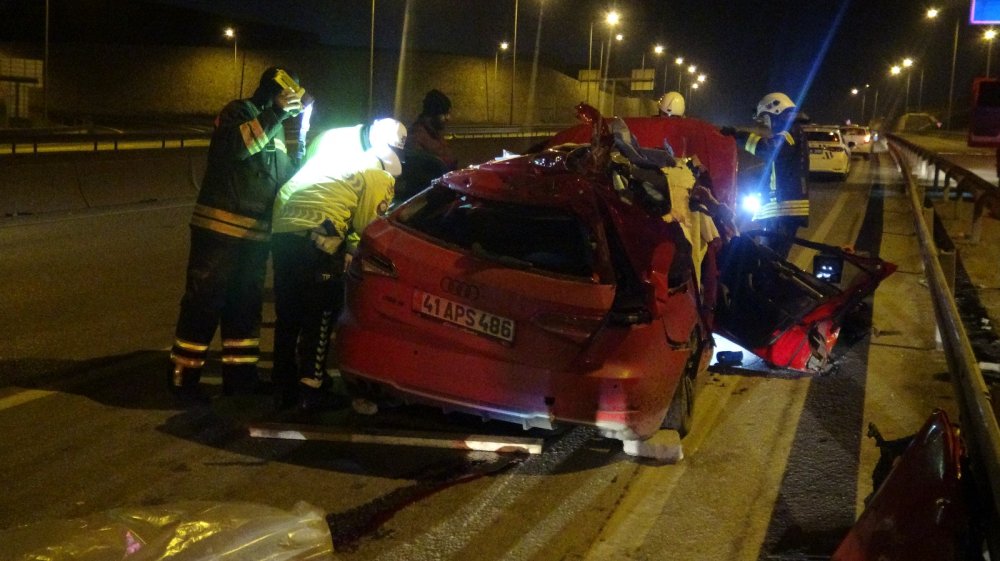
pixel 345 184
pixel 784 207
pixel 672 104
pixel 230 227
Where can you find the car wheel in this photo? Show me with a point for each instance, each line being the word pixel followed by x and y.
pixel 681 409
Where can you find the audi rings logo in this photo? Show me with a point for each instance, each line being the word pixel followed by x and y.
pixel 459 288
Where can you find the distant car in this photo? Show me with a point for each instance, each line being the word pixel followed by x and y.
pixel 828 154
pixel 859 140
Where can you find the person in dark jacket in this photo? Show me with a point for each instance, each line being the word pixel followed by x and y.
pixel 784 206
pixel 426 155
pixel 230 229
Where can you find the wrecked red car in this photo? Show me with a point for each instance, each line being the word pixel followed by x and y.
pixel 535 289
pixel 555 287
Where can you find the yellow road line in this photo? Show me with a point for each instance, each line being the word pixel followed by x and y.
pixel 22 397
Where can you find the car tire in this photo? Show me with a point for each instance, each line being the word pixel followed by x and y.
pixel 681 410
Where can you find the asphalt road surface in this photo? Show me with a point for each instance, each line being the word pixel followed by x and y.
pixel 776 467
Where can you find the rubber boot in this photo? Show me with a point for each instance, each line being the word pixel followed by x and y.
pixel 183 382
pixel 240 379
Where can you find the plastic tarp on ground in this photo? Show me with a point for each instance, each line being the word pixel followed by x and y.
pixel 188 531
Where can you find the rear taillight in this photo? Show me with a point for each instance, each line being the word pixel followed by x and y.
pixel 376 264
pixel 576 328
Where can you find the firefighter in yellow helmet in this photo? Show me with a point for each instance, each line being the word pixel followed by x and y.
pixel 230 227
pixel 784 200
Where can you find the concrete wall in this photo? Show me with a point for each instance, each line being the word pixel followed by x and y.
pixel 101 81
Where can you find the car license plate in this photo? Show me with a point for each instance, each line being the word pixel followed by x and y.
pixel 474 319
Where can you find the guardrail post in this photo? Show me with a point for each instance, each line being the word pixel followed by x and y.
pixel 948 260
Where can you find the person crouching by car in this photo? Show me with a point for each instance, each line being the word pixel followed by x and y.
pixel 345 184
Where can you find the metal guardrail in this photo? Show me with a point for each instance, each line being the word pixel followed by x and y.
pixel 973 393
pixel 30 141
pixel 964 180
pixel 35 142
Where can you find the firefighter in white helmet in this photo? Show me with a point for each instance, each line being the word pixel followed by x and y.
pixel 784 200
pixel 346 183
pixel 672 105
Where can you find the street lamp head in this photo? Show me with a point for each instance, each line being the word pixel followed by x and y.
pixel 932 13
pixel 679 60
pixel 692 69
pixel 907 62
pixel 504 45
pixel 990 34
pixel 229 32
pixel 613 18
pixel 694 86
pixel 895 70
pixel 854 91
pixel 702 78
pixel 619 37
pixel 658 49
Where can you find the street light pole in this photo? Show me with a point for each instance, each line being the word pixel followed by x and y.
pixel 513 67
pixel 371 64
pixel 231 34
pixel 45 78
pixel 951 83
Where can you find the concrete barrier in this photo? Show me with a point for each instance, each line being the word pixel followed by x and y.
pixel 69 182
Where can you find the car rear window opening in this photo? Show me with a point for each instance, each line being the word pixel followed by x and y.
pixel 518 236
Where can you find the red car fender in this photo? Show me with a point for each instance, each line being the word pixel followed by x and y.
pixel 919 513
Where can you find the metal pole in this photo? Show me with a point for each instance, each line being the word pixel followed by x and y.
pixel 236 61
pixel 666 66
pixel 989 54
pixel 864 96
pixel 875 107
pixel 920 92
pixel 680 76
pixel 529 116
pixel 45 86
pixel 371 64
pixel 590 49
pixel 513 66
pixel 951 85
pixel 496 78
pixel 906 105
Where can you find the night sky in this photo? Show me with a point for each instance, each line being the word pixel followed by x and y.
pixel 814 50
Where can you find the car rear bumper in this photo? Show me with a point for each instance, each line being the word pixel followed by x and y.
pixel 623 398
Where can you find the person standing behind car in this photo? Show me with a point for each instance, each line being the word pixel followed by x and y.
pixel 230 227
pixel 345 184
pixel 427 153
pixel 784 207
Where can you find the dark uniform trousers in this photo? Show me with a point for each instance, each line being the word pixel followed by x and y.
pixel 309 294
pixel 225 283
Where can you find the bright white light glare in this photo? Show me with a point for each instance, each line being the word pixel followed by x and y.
pixel 679 60
pixel 933 12
pixel 751 203
pixel 658 49
pixel 504 46
pixel 613 18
